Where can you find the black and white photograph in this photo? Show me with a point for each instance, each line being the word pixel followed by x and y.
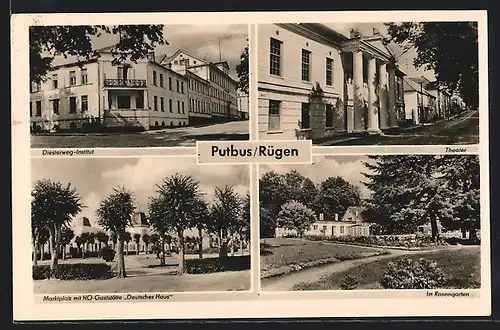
pixel 138 85
pixel 384 83
pixel 371 222
pixel 132 225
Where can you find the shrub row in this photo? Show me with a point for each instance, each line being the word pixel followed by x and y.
pixel 214 265
pixel 385 241
pixel 98 271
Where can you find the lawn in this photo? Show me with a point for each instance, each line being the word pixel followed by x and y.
pixel 279 252
pixel 462 268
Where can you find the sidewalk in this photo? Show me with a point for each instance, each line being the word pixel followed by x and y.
pixel 345 137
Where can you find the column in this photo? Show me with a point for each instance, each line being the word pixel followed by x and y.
pixel 383 111
pixel 357 68
pixel 146 100
pixel 393 120
pixel 372 97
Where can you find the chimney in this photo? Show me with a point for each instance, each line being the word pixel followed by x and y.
pixel 336 217
pixel 169 65
pixel 151 56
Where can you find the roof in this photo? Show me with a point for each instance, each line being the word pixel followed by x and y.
pixel 358 209
pixel 140 219
pixel 413 85
pixel 179 51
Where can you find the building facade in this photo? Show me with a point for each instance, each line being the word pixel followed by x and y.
pixel 243 105
pixel 142 95
pixel 360 85
pixel 221 87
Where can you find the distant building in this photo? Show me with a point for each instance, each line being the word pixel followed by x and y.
pixel 351 224
pixel 243 105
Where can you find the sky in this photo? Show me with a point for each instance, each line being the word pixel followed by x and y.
pixel 198 40
pixel 95 178
pixel 366 29
pixel 350 168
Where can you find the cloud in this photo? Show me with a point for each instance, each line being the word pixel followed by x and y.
pixel 143 176
pixel 350 168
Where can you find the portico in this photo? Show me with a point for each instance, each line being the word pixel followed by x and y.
pixel 371 98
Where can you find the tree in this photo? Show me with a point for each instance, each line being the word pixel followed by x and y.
pixel 146 239
pixel 137 240
pixel 461 175
pixel 84 239
pixel 116 213
pixel 91 240
pixel 67 235
pixel 102 238
pixel 160 220
pixel 449 48
pixel 242 224
pixel 199 219
pixel 335 196
pixel 79 242
pixel 408 191
pixel 242 71
pixel 46 42
pixel 224 213
pixel 175 200
pixel 112 237
pixel 295 215
pixel 53 206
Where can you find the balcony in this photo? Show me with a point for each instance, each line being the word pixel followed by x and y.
pixel 125 83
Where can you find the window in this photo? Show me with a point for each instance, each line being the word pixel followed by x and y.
pixel 38 108
pixel 72 78
pixel 84 76
pixel 315 227
pixel 85 103
pixel 72 104
pixel 325 228
pixel 139 101
pixel 182 106
pixel 155 103
pixel 333 230
pixel 329 71
pixel 179 106
pixel 176 62
pixel 170 105
pixel 154 78
pixel 177 86
pixel 162 106
pixel 329 115
pixel 341 229
pixel 123 102
pixel 182 87
pixel 274 115
pixel 55 83
pixel 31 109
pixel 55 106
pixel 275 57
pixel 170 83
pixel 305 122
pixel 161 79
pixel 306 61
pixel 119 71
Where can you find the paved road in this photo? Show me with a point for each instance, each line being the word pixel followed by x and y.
pixel 313 274
pixel 462 130
pixel 181 136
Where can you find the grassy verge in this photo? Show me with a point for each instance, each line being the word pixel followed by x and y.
pixel 462 269
pixel 281 256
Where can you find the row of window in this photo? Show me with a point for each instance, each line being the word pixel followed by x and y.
pixel 274 116
pixel 73 80
pixel 55 105
pixel 179 84
pixel 325 228
pixel 219 80
pixel 180 105
pixel 276 65
pixel 199 106
pixel 198 87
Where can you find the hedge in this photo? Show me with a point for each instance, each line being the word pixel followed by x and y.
pixel 71 272
pixel 384 241
pixel 213 265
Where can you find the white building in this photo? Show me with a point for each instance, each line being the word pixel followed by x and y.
pixel 359 77
pixel 142 95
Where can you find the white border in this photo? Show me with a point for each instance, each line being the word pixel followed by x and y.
pixel 24 304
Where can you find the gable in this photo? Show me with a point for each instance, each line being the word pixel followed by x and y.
pixel 377 43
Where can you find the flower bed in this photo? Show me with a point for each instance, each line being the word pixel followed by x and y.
pixel 71 272
pixel 406 242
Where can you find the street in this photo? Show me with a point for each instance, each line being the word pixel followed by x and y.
pixel 174 137
pixel 461 130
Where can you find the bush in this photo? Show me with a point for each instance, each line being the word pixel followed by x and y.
pixel 107 254
pixel 409 274
pixel 70 272
pixel 214 265
pixel 349 283
pixel 403 241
